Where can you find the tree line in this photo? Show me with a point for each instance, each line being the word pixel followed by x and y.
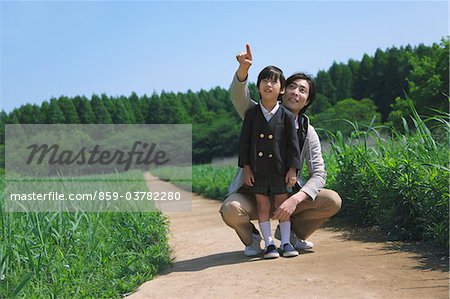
pixel 374 87
pixel 421 72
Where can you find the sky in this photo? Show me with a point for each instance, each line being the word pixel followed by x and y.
pixel 54 48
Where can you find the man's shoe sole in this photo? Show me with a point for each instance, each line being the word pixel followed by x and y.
pixel 251 254
pixel 289 254
pixel 272 255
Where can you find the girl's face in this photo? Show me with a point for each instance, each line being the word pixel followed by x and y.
pixel 270 88
pixel 296 96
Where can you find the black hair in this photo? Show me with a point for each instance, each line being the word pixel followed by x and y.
pixel 272 72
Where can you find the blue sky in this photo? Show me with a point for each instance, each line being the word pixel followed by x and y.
pixel 58 48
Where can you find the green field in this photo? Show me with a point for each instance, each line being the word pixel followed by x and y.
pixel 79 254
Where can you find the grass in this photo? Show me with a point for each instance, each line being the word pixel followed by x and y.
pixel 79 254
pixel 400 183
pixel 180 176
pixel 212 181
pixel 208 180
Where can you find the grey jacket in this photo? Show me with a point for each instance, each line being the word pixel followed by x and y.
pixel 311 153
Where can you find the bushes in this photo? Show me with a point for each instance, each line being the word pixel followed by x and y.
pixel 208 180
pixel 212 181
pixel 400 184
pixel 385 178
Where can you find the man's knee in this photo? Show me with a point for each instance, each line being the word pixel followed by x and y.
pixel 238 208
pixel 337 201
pixel 236 212
pixel 334 201
pixel 326 204
pixel 231 212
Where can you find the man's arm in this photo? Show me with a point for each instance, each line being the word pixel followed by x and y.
pixel 240 95
pixel 292 150
pixel 244 148
pixel 315 164
pixel 245 140
pixel 292 143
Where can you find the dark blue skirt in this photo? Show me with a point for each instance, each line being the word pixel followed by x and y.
pixel 269 184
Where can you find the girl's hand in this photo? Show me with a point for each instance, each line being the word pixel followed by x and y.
pixel 291 177
pixel 249 179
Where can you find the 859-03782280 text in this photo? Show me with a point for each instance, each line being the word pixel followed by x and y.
pixel 97 195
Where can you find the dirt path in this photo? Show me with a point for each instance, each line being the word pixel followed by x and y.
pixel 345 263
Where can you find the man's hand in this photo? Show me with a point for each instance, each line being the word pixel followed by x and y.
pixel 245 61
pixel 245 58
pixel 249 179
pixel 287 208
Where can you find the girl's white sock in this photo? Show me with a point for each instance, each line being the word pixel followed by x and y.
pixel 265 230
pixel 285 230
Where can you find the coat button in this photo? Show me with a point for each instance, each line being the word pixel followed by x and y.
pixel 261 135
pixel 270 136
pixel 270 156
pixel 260 154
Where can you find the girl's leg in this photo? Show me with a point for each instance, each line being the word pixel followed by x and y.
pixel 285 226
pixel 287 250
pixel 263 209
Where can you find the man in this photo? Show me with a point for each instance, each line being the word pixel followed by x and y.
pixel 310 205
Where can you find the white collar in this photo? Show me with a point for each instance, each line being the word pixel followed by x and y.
pixel 272 112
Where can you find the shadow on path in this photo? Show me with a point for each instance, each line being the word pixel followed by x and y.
pixel 213 260
pixel 428 256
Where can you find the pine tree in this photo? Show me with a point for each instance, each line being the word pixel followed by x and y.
pixel 136 108
pixel 84 110
pixel 68 109
pixel 29 114
pixel 429 78
pixel 54 113
pixel 101 113
pixel 342 78
pixel 121 114
pixel 377 83
pixel 3 121
pixel 325 87
pixel 361 87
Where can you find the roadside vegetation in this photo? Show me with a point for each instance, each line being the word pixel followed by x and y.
pixel 399 183
pixel 79 254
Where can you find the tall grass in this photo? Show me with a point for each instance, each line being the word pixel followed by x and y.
pixel 180 176
pixel 398 181
pixel 79 254
pixel 208 180
pixel 401 183
pixel 212 181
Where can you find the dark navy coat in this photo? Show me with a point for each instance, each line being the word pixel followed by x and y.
pixel 269 147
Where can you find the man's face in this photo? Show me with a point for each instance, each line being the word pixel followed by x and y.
pixel 296 95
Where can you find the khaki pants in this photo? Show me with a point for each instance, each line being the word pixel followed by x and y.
pixel 239 208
